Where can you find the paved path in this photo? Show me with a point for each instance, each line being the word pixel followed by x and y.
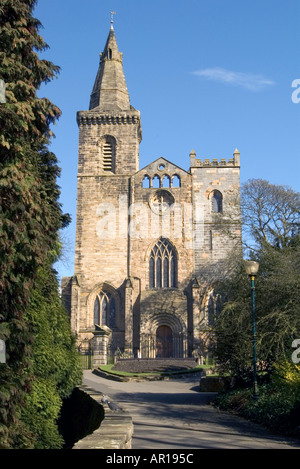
pixel 173 414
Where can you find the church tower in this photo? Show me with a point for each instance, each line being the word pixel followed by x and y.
pixel 108 154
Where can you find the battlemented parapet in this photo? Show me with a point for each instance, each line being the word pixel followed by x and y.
pixel 198 163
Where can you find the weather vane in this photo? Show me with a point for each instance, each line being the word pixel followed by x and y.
pixel 112 13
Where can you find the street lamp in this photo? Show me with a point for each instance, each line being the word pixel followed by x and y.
pixel 251 268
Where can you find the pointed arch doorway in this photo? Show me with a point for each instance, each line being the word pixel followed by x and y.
pixel 164 342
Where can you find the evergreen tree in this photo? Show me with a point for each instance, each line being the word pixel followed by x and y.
pixel 30 214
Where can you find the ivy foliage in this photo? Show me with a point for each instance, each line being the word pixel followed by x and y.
pixel 56 366
pixel 30 212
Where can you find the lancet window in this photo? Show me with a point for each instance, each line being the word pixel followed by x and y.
pixel 146 182
pixel 105 309
pixel 164 181
pixel 176 181
pixel 216 202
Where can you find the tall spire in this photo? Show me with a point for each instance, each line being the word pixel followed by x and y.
pixel 110 90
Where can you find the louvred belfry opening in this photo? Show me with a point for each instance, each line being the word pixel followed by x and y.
pixel 107 156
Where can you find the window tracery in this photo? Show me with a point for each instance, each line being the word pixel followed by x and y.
pixel 163 265
pixel 105 309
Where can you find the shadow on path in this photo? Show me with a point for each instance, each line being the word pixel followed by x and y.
pixel 174 414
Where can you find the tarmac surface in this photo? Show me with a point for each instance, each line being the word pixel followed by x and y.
pixel 173 414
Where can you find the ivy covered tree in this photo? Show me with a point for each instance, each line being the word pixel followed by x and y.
pixel 55 361
pixel 30 212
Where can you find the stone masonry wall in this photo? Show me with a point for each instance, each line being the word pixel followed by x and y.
pixel 219 233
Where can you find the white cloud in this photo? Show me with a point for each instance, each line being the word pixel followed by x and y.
pixel 246 80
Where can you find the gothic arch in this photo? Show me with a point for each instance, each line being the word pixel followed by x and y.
pixel 166 181
pixel 175 181
pixel 156 181
pixel 107 299
pixel 146 182
pixel 163 264
pixel 150 247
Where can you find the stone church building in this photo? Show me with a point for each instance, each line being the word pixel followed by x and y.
pixel 148 241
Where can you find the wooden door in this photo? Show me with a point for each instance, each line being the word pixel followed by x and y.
pixel 164 342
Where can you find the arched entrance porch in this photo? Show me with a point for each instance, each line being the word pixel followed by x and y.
pixel 163 336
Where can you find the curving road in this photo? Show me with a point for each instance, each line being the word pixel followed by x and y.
pixel 173 414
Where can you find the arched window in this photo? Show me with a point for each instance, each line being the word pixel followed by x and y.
pixel 166 182
pixel 146 182
pixel 163 265
pixel 108 153
pixel 176 181
pixel 156 182
pixel 105 309
pixel 216 202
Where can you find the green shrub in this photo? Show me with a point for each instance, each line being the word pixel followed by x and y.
pixel 278 405
pixel 41 412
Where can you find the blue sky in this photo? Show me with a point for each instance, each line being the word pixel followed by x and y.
pixel 208 75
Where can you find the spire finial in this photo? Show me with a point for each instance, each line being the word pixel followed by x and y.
pixel 112 13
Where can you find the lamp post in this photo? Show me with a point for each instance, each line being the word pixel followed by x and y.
pixel 251 268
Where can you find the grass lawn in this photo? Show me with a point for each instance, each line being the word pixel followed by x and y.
pixel 109 369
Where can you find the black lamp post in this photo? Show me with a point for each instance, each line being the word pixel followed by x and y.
pixel 251 268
